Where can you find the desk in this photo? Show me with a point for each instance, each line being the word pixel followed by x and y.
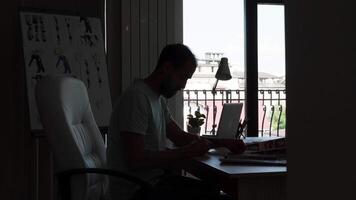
pixel 241 181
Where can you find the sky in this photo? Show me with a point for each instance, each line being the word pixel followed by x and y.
pixel 218 26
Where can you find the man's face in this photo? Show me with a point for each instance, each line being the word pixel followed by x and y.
pixel 176 78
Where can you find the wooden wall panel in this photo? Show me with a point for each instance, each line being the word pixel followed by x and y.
pixel 161 24
pixel 147 24
pixel 152 34
pixel 175 34
pixel 144 38
pixel 126 43
pixel 135 39
pixel 115 30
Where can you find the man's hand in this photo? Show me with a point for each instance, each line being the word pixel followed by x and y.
pixel 198 147
pixel 234 145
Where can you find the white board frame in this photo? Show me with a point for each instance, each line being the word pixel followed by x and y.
pixel 72 45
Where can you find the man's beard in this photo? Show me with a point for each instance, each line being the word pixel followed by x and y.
pixel 168 89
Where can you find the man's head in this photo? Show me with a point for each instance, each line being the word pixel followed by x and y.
pixel 176 64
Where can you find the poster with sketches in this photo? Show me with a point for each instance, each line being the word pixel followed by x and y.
pixel 66 45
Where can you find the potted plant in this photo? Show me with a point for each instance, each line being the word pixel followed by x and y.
pixel 194 122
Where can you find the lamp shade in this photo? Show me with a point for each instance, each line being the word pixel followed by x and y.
pixel 223 72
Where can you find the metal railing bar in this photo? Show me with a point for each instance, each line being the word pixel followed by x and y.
pixel 269 98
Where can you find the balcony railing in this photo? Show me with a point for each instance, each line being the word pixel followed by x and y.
pixel 271 108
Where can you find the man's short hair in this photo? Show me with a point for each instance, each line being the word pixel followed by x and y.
pixel 177 54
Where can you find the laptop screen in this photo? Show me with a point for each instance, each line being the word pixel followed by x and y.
pixel 229 120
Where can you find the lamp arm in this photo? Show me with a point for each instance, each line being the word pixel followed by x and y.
pixel 214 106
pixel 215 85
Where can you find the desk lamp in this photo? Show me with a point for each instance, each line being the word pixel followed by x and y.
pixel 223 73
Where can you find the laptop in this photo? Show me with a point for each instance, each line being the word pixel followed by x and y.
pixel 229 120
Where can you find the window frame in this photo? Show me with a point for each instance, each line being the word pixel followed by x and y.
pixel 251 61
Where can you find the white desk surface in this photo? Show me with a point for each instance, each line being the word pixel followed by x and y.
pixel 237 170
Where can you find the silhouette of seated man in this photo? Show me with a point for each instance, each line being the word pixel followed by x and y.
pixel 141 123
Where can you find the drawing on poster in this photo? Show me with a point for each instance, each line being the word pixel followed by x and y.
pixel 67 45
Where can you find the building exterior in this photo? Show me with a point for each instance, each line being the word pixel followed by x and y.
pixel 198 95
pixel 204 76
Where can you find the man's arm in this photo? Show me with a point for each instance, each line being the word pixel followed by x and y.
pixel 178 136
pixel 236 146
pixel 137 157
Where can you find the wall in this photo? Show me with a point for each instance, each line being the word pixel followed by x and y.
pixel 17 143
pixel 137 31
pixel 136 38
pixel 320 90
pixel 147 26
pixel 321 68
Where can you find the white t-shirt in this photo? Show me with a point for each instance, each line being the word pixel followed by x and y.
pixel 141 111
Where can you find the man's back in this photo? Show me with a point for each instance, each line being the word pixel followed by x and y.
pixel 138 111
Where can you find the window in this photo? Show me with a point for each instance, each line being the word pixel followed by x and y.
pixel 271 68
pixel 228 28
pixel 214 29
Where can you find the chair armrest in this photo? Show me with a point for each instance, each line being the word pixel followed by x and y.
pixel 64 177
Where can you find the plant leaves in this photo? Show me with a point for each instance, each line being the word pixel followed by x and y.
pixel 196 121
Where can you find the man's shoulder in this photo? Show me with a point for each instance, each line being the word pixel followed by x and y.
pixel 135 88
pixel 140 88
pixel 132 95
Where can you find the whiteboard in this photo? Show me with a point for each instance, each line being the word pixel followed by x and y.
pixel 66 45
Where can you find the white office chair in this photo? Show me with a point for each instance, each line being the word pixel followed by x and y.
pixel 77 144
